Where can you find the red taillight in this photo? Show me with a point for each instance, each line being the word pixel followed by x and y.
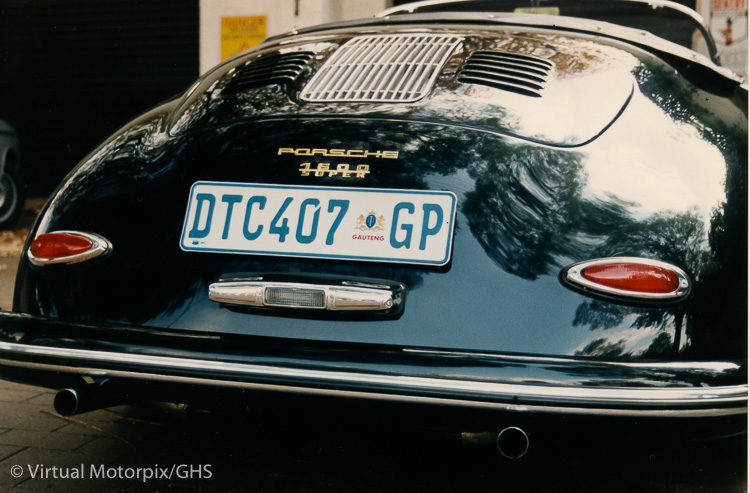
pixel 631 276
pixel 58 245
pixel 66 247
pixel 628 277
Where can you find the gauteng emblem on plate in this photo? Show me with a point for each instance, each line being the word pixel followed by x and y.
pixel 371 222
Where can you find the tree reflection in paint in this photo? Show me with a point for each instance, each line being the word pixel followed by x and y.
pixel 529 206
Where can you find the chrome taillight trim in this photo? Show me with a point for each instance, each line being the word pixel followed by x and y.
pixel 100 246
pixel 400 68
pixel 573 274
pixel 331 297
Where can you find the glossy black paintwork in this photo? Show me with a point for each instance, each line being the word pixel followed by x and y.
pixel 662 174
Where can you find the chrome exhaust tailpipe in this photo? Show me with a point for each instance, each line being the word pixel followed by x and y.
pixel 77 400
pixel 512 442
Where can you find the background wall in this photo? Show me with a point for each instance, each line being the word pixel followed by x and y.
pixel 282 16
pixel 728 23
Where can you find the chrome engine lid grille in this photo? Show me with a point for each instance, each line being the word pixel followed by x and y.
pixel 381 68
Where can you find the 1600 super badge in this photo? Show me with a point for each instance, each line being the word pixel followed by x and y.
pixel 343 170
pixel 416 226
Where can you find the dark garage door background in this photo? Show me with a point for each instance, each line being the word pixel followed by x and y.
pixel 73 71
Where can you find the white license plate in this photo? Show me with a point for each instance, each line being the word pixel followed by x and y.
pixel 405 226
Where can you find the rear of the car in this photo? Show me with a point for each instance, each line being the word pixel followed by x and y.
pixel 486 222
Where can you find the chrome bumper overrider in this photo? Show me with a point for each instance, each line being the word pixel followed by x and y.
pixel 599 400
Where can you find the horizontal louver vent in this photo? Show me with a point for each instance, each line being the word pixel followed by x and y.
pixel 392 68
pixel 512 72
pixel 278 68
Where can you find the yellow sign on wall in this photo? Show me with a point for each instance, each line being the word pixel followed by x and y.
pixel 240 33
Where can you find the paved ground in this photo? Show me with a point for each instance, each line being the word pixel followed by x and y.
pixel 41 451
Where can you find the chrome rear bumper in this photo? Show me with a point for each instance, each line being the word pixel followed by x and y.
pixel 644 400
